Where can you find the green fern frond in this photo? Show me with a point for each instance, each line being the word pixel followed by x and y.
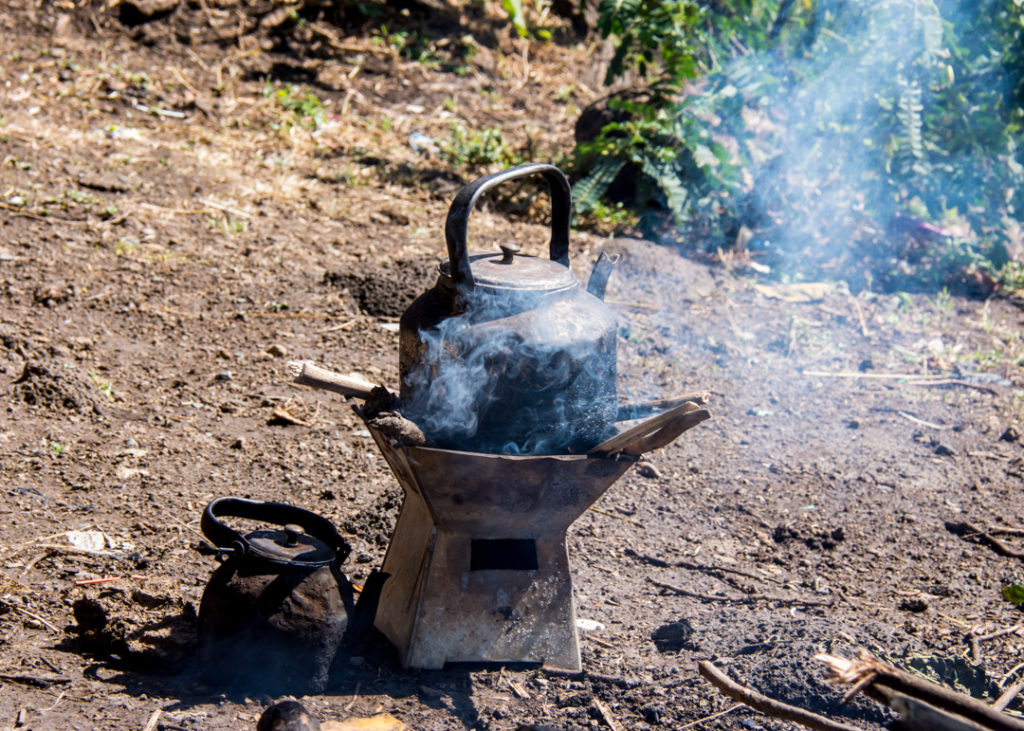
pixel 587 193
pixel 910 108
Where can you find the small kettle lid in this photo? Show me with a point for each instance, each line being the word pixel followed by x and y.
pixel 304 538
pixel 291 545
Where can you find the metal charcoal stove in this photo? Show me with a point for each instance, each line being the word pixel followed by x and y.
pixel 479 570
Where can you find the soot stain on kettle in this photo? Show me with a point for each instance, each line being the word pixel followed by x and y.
pixel 484 386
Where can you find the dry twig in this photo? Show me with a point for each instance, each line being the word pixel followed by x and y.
pixel 707 568
pixel 606 715
pixel 712 717
pixel 893 687
pixel 749 599
pixel 968 531
pixel 766 705
pixel 154 719
pixel 1008 695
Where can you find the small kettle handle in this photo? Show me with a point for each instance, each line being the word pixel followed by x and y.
pixel 227 538
pixel 458 217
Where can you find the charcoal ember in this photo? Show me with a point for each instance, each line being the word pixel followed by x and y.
pixel 674 636
pixel 396 426
pixel 380 401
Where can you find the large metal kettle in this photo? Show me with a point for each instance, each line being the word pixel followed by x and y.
pixel 509 353
pixel 276 611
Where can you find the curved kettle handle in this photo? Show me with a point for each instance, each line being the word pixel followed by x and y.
pixel 225 537
pixel 458 217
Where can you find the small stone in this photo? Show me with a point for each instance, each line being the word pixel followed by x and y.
pixel 1010 435
pixel 914 605
pixel 646 469
pixel 944 450
pixel 287 716
pixel 223 376
pixel 277 350
pixel 238 443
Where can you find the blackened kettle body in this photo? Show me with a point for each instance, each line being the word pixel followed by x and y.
pixel 275 613
pixel 510 353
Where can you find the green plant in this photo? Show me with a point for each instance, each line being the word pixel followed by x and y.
pixel 228 225
pixel 845 135
pixel 484 148
pixel 1014 593
pixel 942 301
pixel 105 386
pixel 517 15
pixel 307 108
pixel 124 247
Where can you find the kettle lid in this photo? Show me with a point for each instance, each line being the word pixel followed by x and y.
pixel 290 545
pixel 307 539
pixel 513 272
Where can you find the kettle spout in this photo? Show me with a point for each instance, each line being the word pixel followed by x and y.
pixel 598 282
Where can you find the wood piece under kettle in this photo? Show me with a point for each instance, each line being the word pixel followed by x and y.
pixel 308 373
pixel 653 433
pixel 380 409
pixel 628 412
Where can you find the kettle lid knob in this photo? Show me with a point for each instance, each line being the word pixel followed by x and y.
pixel 292 533
pixel 509 251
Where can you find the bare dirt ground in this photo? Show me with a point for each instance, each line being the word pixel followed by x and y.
pixel 171 232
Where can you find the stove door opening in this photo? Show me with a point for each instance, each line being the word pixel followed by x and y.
pixel 503 554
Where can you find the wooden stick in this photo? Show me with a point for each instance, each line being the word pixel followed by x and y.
pixel 703 567
pixel 712 717
pixel 766 705
pixel 975 640
pixel 1010 673
pixel 688 412
pixel 966 531
pixel 749 599
pixel 886 682
pixel 606 714
pixel 916 715
pixel 154 719
pixel 860 316
pixel 956 382
pixel 917 377
pixel 36 617
pixel 38 681
pixel 613 515
pixel 1008 695
pixel 628 412
pixel 910 379
pixel 307 373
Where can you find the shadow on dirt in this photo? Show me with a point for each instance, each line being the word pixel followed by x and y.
pixel 371 670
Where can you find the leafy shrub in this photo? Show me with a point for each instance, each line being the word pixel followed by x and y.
pixel 880 138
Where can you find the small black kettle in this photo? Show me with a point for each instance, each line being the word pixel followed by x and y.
pixel 278 609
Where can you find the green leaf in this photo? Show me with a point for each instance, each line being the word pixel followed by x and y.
pixel 587 192
pixel 1014 593
pixel 514 8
